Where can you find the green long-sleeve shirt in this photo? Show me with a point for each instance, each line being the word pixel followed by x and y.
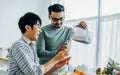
pixel 50 39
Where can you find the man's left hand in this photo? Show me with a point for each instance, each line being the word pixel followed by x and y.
pixel 82 25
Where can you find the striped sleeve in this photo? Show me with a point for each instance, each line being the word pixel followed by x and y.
pixel 25 63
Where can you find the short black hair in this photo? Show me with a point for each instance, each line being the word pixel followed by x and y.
pixel 28 19
pixel 56 8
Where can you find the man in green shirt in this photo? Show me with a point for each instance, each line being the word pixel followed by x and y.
pixel 55 36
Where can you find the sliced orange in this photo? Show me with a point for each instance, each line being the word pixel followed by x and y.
pixel 79 72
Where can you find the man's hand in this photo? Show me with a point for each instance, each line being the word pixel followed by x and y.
pixel 58 65
pixel 62 63
pixel 61 55
pixel 63 47
pixel 82 25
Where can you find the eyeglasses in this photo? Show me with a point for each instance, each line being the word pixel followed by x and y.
pixel 57 19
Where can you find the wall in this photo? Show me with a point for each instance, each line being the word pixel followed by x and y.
pixel 12 10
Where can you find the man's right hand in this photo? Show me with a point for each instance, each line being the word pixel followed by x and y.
pixel 61 55
pixel 58 65
pixel 63 47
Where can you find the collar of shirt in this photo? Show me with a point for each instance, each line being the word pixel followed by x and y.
pixel 26 40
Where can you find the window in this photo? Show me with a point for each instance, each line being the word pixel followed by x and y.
pixel 76 9
pixel 110 7
pixel 105 38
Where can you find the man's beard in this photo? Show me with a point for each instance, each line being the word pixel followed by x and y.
pixel 57 25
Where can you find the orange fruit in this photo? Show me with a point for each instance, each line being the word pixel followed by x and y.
pixel 74 74
pixel 79 72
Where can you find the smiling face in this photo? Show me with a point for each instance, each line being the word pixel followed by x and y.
pixel 33 33
pixel 57 19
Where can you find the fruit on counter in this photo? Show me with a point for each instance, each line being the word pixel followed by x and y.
pixel 74 74
pixel 78 72
pixel 64 74
pixel 105 71
pixel 98 71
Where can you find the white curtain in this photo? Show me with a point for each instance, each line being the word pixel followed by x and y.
pixel 83 53
pixel 109 39
pixel 109 42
